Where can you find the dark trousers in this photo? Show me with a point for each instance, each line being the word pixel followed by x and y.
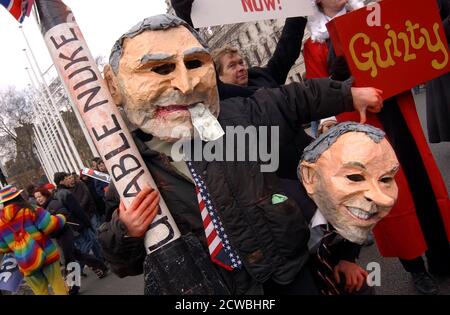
pixel 71 254
pixel 415 265
pixel 303 284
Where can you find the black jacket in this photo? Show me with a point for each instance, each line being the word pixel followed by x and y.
pixel 75 212
pixel 270 238
pixel 54 206
pixel 98 200
pixel 444 10
pixel 81 192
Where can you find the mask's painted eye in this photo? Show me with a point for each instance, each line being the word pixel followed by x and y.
pixel 356 177
pixel 387 180
pixel 164 69
pixel 193 64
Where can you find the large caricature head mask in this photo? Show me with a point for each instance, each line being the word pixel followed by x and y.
pixel 349 173
pixel 158 71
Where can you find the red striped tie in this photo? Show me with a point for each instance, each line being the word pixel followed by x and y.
pixel 214 243
pixel 219 245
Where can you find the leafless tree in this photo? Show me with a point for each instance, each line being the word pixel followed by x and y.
pixel 16 126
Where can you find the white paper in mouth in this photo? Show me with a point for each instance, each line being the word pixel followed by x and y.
pixel 205 123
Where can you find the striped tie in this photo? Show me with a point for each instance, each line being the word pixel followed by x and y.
pixel 219 246
pixel 323 262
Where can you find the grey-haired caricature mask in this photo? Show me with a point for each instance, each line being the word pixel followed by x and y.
pixel 161 74
pixel 352 183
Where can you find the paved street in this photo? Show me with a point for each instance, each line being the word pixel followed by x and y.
pixel 394 280
pixel 111 284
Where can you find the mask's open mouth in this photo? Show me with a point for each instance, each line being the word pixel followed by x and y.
pixel 164 110
pixel 360 214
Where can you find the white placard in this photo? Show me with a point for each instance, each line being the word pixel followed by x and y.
pixel 217 12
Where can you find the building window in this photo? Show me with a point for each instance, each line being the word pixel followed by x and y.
pixel 248 35
pixel 258 28
pixel 275 39
pixel 267 48
pixel 258 58
pixel 247 60
pixel 239 42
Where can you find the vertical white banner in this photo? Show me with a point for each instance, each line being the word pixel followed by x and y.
pixel 89 93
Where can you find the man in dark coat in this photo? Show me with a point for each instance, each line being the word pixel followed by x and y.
pixel 273 74
pixel 81 193
pixel 68 200
pixel 438 92
pixel 158 87
pixel 99 203
pixel 85 238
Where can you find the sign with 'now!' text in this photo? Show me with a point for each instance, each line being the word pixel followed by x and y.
pixel 217 12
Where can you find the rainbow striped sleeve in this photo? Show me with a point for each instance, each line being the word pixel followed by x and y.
pixel 48 223
pixel 3 246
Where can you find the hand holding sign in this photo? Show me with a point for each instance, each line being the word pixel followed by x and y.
pixel 367 99
pixel 140 214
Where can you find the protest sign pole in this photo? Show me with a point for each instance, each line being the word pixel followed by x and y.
pixel 169 253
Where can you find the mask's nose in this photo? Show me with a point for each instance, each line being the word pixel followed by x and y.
pixel 380 198
pixel 182 81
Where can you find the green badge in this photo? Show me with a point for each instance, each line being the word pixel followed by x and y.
pixel 277 198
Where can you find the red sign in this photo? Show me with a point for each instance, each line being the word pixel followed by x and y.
pixel 406 48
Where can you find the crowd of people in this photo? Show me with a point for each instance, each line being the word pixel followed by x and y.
pixel 268 217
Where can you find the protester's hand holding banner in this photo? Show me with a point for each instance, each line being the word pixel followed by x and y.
pixel 217 12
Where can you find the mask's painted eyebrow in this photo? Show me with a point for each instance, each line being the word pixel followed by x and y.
pixel 394 169
pixel 195 50
pixel 354 164
pixel 155 57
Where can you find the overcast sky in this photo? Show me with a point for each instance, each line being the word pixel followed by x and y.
pixel 101 21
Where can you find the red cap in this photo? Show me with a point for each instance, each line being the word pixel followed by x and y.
pixel 49 186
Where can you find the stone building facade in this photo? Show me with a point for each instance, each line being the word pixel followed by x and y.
pixel 256 40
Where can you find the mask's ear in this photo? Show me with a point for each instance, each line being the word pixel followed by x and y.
pixel 113 84
pixel 308 174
